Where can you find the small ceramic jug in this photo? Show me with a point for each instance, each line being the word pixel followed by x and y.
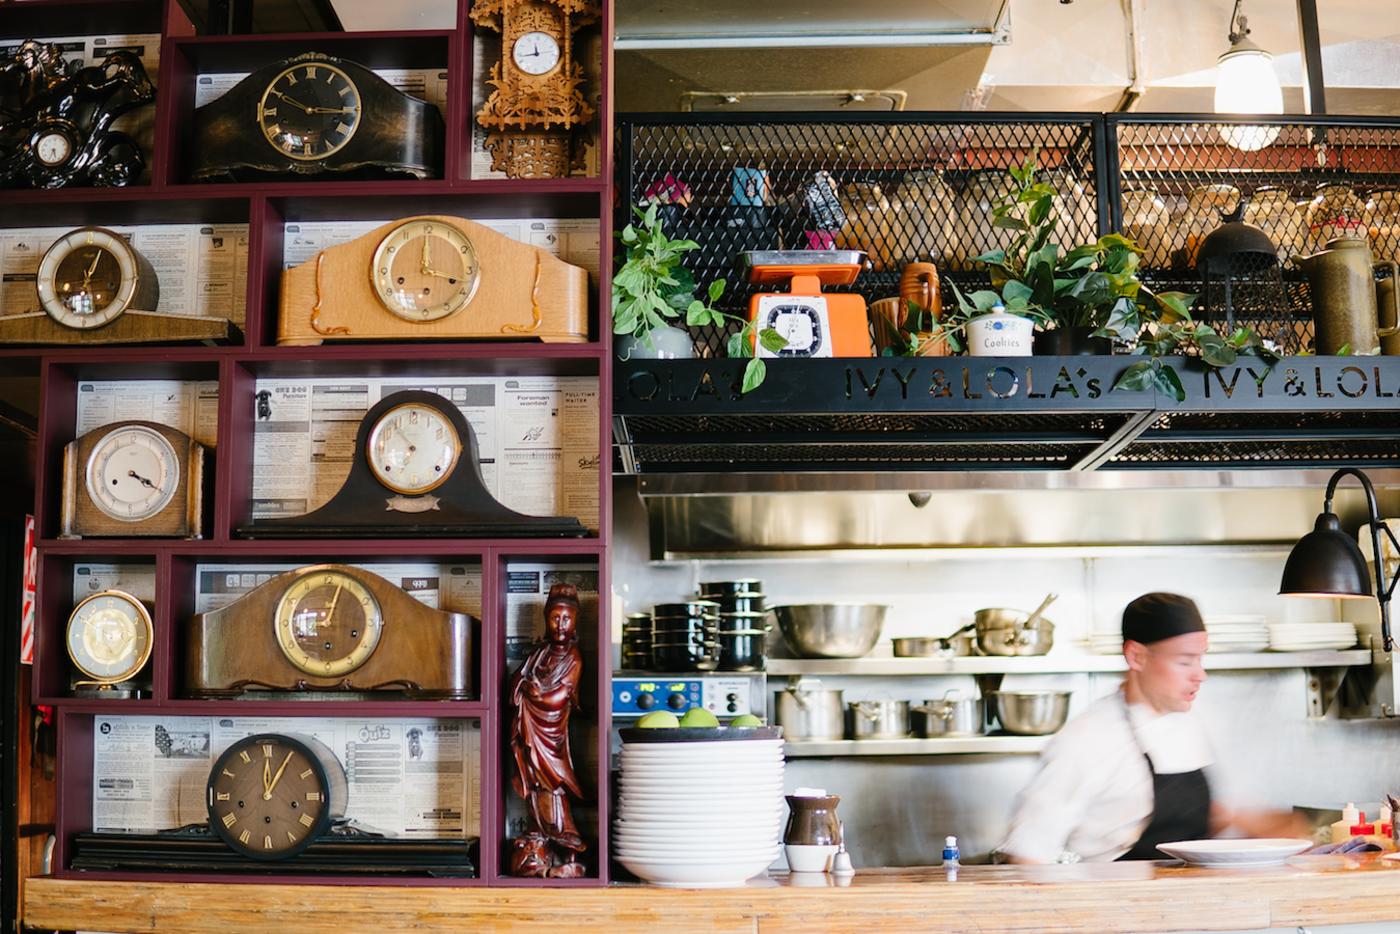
pixel 812 821
pixel 1342 285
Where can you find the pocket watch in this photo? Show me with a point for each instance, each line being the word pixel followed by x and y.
pixel 92 275
pixel 133 478
pixel 415 472
pixel 424 270
pixel 109 638
pixel 329 627
pixel 414 278
pixel 272 795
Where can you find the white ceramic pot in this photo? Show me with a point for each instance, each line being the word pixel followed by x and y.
pixel 666 343
pixel 1000 335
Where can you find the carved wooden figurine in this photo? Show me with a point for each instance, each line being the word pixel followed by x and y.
pixel 544 693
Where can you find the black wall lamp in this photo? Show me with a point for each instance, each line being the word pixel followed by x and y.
pixel 1328 563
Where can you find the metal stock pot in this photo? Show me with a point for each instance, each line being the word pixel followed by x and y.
pixel 806 712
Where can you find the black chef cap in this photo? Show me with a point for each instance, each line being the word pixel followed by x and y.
pixel 1157 616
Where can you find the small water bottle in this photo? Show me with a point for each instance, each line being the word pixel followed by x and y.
pixel 951 854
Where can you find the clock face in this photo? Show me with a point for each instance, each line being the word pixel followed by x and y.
pixel 327 623
pixel 109 636
pixel 132 473
pixel 413 448
pixel 268 797
pixel 535 53
pixel 87 278
pixel 424 270
pixel 309 111
pixel 802 326
pixel 53 148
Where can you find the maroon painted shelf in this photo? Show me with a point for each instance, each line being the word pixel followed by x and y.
pixel 267 208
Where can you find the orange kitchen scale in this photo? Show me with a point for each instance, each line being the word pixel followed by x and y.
pixel 814 324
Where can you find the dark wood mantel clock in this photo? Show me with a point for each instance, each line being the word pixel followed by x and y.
pixel 416 473
pixel 536 110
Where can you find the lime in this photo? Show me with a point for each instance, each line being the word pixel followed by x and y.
pixel 658 719
pixel 699 716
pixel 747 719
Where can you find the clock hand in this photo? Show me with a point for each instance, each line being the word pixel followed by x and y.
pixel 330 613
pixel 144 481
pixel 267 795
pixel 294 103
pixel 425 265
pixel 267 780
pixel 332 110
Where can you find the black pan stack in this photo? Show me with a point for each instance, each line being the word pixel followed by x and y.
pixel 743 625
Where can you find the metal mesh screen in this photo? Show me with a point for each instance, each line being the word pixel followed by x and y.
pixel 1306 183
pixel 914 188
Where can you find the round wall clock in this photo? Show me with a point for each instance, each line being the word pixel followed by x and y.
pixel 536 53
pixel 132 473
pixel 309 111
pixel 328 623
pixel 91 275
pixel 272 795
pixel 109 637
pixel 413 448
pixel 424 270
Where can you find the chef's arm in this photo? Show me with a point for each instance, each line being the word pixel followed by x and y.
pixel 1248 822
pixel 1049 808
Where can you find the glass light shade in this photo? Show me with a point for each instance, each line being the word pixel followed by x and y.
pixel 1326 563
pixel 1246 83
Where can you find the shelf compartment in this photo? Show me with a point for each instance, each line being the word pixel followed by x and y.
pixel 953 746
pixel 1052 664
pixel 196 746
pixel 193 59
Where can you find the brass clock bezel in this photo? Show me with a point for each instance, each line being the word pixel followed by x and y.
pixel 381 266
pixel 320 776
pixel 413 491
pixel 103 239
pixel 143 617
pixel 558 51
pixel 308 579
pixel 354 126
pixel 174 480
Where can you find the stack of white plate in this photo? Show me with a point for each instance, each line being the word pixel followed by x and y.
pixel 1311 637
pixel 699 814
pixel 1240 633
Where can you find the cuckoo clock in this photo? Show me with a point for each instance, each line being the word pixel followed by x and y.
pixel 536 110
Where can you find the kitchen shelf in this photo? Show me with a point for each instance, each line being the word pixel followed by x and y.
pixel 953 746
pixel 1052 664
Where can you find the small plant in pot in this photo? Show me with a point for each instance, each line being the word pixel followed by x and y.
pixel 652 290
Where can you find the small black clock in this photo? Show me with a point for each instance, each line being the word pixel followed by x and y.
pixel 272 795
pixel 315 115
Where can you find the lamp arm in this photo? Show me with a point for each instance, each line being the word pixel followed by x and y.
pixel 1383 589
pixel 1389 586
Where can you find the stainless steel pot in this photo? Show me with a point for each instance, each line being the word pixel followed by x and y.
pixel 1030 713
pixel 953 646
pixel 879 719
pixel 951 715
pixel 1001 631
pixel 831 630
pixel 806 712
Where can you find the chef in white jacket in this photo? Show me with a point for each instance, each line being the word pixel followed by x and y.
pixel 1130 771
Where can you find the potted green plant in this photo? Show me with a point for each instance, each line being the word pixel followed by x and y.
pixel 652 289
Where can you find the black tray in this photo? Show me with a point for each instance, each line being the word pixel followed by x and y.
pixel 698 734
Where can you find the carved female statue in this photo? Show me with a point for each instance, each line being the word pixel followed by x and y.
pixel 544 693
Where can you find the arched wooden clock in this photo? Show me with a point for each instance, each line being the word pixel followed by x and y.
pixel 272 795
pixel 329 627
pixel 94 287
pixel 416 473
pixel 133 478
pixel 537 107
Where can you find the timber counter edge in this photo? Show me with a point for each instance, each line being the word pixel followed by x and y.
pixel 1115 897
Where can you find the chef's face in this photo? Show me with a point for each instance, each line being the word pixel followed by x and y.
pixel 1170 672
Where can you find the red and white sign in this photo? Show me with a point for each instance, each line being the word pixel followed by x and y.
pixel 31 579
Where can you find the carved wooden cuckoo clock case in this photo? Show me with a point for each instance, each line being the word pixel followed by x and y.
pixel 536 111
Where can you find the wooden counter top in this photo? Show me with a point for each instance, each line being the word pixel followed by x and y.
pixel 1117 897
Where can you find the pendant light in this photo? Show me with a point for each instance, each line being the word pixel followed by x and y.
pixel 1246 83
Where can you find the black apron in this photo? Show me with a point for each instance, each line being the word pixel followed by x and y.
pixel 1180 808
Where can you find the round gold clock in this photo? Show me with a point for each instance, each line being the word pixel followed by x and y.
pixel 309 111
pixel 90 276
pixel 425 270
pixel 413 448
pixel 327 623
pixel 109 636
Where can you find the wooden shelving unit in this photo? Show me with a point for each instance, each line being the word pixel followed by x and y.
pixel 168 198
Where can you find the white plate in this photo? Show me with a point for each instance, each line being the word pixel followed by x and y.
pixel 727 874
pixel 1237 854
pixel 1336 645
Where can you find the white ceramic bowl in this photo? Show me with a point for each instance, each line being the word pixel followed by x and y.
pixel 809 858
pixel 692 874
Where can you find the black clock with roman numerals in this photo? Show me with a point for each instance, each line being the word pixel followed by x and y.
pixel 315 115
pixel 272 795
pixel 310 111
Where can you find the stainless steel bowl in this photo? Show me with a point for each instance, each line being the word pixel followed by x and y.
pixel 831 630
pixel 1030 713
